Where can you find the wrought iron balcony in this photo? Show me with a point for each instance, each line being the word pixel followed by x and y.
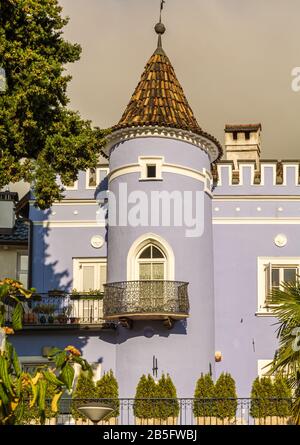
pixel 146 300
pixel 62 311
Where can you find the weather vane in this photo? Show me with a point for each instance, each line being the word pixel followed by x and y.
pixel 161 8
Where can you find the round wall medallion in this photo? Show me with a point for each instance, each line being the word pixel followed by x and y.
pixel 280 240
pixel 97 241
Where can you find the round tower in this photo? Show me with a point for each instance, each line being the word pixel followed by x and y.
pixel 160 248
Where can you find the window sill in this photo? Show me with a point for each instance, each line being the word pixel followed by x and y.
pixel 150 179
pixel 265 313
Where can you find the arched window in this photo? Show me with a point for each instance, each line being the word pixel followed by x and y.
pixel 150 257
pixel 151 263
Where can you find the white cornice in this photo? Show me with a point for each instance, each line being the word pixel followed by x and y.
pixel 125 134
pixel 68 224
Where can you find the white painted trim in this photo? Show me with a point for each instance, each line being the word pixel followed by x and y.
pixel 158 161
pixel 200 141
pixel 203 176
pixel 87 178
pixel 68 224
pixel 260 365
pixel 71 202
pixel 77 283
pixel 261 282
pixel 140 243
pixel 296 169
pixel 256 221
pixel 254 198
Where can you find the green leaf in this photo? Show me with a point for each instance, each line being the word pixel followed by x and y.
pixel 51 378
pixel 4 376
pixel 54 351
pixel 3 395
pixel 17 317
pixel 25 292
pixel 4 290
pixel 60 359
pixel 16 363
pixel 67 375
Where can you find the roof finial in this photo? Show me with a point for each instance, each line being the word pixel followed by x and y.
pixel 160 27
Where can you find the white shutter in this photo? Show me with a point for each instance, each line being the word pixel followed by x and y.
pixel 268 283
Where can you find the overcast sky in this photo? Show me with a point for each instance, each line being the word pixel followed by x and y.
pixel 233 58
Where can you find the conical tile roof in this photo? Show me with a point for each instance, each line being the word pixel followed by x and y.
pixel 159 100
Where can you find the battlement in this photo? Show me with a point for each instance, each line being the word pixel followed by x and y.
pixel 272 177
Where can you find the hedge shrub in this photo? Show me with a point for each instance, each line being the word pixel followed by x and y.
pixel 204 405
pixel 226 397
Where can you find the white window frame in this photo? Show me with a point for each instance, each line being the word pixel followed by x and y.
pixel 151 260
pixel 77 283
pixel 157 161
pixel 137 246
pixel 98 170
pixel 261 370
pixel 18 269
pixel 262 264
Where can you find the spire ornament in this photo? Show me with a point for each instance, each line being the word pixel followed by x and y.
pixel 160 28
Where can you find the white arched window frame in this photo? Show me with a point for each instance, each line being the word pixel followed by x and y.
pixel 138 247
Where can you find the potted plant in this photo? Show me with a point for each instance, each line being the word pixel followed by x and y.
pixel 204 407
pixel 56 293
pixel 41 311
pixel 226 399
pixel 64 316
pixel 51 310
pixel 107 388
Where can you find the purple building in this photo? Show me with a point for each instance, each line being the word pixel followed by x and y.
pixel 185 242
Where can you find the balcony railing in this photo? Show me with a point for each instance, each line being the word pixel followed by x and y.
pixel 131 300
pixel 61 310
pixel 173 412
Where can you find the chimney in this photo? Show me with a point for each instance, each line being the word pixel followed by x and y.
pixel 242 143
pixel 7 211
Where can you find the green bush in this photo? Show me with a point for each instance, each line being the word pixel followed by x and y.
pixel 146 389
pixel 283 395
pixel 107 388
pixel 204 405
pixel 85 389
pixel 32 413
pixel 226 397
pixel 263 398
pixel 166 390
pixel 160 398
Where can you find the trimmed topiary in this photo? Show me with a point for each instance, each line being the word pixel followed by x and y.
pixel 146 389
pixel 107 388
pixel 263 398
pixel 168 406
pixel 204 405
pixel 226 397
pixel 283 395
pixel 85 389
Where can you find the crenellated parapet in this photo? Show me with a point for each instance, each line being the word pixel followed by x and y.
pixel 271 178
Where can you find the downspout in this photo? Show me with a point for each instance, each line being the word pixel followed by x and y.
pixel 30 250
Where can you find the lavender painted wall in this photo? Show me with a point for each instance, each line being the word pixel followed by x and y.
pixel 242 336
pixel 54 250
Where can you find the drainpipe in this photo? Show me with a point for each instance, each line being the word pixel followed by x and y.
pixel 30 250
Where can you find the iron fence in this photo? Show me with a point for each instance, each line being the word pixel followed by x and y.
pixel 183 411
pixel 146 296
pixel 46 310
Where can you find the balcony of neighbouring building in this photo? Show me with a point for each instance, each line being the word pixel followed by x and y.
pixel 146 300
pixel 59 310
